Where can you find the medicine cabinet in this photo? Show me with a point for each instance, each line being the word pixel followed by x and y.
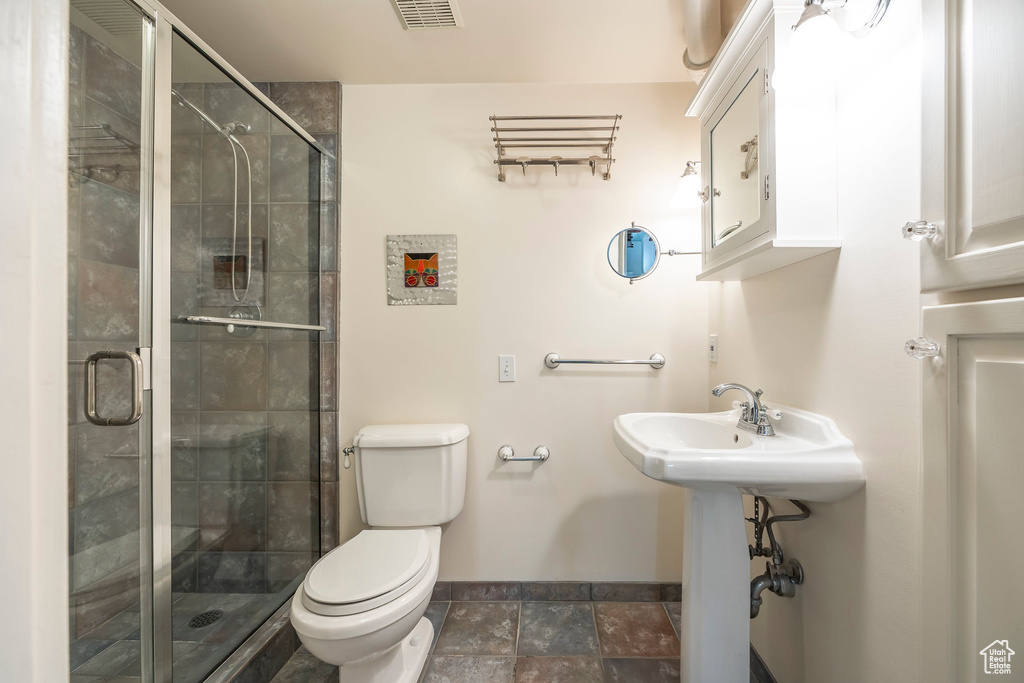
pixel 769 157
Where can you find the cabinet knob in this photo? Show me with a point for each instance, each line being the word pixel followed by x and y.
pixel 920 230
pixel 921 348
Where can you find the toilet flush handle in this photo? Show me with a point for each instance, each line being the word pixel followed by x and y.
pixel 347 462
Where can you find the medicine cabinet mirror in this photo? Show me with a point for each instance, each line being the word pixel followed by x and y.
pixel 735 199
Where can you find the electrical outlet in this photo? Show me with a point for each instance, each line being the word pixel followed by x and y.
pixel 713 348
pixel 506 368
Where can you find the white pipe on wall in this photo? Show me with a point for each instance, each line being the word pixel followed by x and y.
pixel 703 26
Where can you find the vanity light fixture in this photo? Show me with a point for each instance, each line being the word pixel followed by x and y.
pixel 688 194
pixel 819 34
pixel 872 16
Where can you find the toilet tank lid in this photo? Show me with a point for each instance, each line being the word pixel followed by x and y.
pixel 409 436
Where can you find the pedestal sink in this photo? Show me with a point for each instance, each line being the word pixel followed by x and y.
pixel 808 459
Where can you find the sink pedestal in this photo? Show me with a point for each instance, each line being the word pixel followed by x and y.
pixel 716 588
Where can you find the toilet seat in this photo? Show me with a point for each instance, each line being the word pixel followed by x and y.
pixel 374 568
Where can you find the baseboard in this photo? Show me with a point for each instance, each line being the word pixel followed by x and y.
pixel 759 672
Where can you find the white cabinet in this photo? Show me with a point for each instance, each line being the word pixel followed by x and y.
pixel 769 157
pixel 973 145
pixel 972 466
pixel 973 473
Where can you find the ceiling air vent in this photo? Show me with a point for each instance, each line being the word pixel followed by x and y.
pixel 419 14
pixel 117 17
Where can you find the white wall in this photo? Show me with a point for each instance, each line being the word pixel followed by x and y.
pixel 33 309
pixel 533 279
pixel 827 335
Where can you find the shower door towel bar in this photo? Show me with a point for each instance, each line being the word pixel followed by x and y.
pixel 657 361
pixel 242 322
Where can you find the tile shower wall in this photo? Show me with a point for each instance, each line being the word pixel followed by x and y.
pixel 316 107
pixel 103 305
pixel 254 448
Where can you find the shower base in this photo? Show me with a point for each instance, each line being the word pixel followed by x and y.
pixel 112 650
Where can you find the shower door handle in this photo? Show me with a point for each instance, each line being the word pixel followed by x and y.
pixel 137 388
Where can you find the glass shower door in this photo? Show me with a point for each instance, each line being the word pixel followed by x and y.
pixel 244 405
pixel 109 420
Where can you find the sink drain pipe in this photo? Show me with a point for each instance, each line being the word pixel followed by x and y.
pixel 781 576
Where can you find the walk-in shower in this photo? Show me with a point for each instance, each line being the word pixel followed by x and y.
pixel 194 339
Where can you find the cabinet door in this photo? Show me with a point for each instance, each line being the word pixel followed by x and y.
pixel 736 143
pixel 973 473
pixel 973 143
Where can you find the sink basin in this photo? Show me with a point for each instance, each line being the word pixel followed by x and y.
pixel 808 458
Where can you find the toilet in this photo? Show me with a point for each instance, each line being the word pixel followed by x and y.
pixel 361 605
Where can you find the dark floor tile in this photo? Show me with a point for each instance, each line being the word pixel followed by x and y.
pixel 556 590
pixel 470 670
pixel 486 590
pixel 557 629
pixel 123 658
pixel 436 612
pixel 671 592
pixel 479 628
pixel 559 670
pixel 625 592
pixel 442 591
pixel 305 668
pixel 193 661
pixel 635 629
pixel 675 615
pixel 642 670
pixel 124 626
pixel 84 650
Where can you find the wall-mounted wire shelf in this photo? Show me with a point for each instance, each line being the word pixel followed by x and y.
pixel 570 134
pixel 100 141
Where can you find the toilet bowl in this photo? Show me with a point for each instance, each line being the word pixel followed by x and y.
pixel 361 606
pixel 371 624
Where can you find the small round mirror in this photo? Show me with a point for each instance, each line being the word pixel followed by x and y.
pixel 634 253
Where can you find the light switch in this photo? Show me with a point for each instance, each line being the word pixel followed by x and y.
pixel 506 368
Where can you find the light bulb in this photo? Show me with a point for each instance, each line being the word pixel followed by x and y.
pixel 687 194
pixel 813 54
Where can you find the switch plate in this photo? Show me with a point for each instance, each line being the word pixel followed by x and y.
pixel 506 368
pixel 713 348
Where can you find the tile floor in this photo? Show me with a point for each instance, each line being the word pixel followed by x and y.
pixel 537 642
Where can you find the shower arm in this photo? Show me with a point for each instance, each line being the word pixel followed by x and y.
pixel 200 113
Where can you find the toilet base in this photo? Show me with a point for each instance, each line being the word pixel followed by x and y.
pixel 401 664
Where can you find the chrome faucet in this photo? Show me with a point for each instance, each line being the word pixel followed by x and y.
pixel 755 417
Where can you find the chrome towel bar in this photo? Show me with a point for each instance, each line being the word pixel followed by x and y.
pixel 243 322
pixel 657 361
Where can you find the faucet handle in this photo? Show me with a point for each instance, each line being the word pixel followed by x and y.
pixel 773 413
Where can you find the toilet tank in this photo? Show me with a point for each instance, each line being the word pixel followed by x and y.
pixel 411 475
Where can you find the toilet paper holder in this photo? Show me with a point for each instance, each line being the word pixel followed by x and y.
pixel 508 454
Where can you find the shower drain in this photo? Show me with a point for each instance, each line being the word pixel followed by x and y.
pixel 204 619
